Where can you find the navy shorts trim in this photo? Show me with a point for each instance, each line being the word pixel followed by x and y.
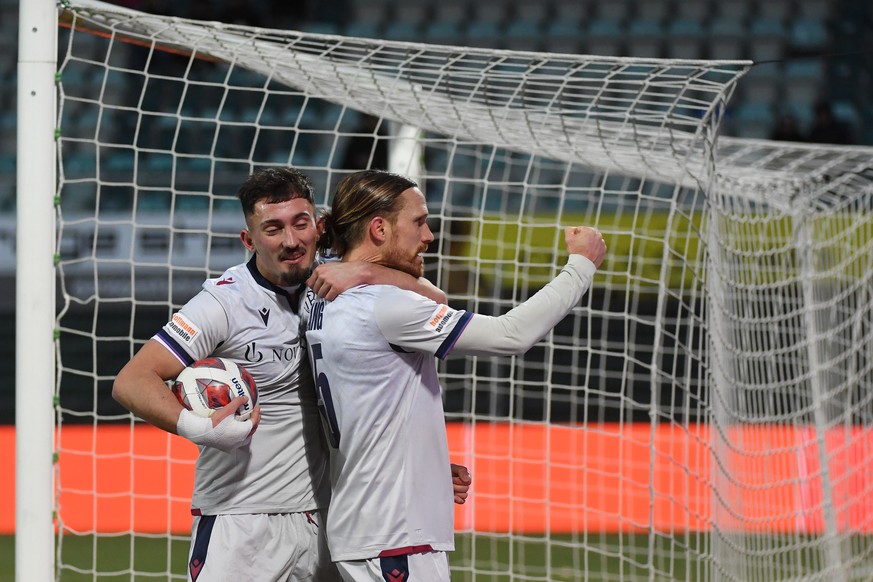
pixel 201 545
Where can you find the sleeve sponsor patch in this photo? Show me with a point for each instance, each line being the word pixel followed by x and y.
pixel 182 329
pixel 439 318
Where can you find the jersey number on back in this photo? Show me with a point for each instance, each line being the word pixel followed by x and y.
pixel 325 401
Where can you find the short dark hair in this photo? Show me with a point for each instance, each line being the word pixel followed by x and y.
pixel 274 185
pixel 358 198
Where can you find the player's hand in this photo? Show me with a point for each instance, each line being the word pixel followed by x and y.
pixel 230 409
pixel 221 430
pixel 585 241
pixel 461 480
pixel 328 280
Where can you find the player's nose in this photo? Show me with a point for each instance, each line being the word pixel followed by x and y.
pixel 427 235
pixel 290 240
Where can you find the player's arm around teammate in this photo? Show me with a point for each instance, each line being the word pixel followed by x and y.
pixel 331 278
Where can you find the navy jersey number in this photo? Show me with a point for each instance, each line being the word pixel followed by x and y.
pixel 325 401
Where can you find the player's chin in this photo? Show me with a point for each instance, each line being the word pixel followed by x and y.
pixel 417 267
pixel 295 275
pixel 416 270
pixel 414 267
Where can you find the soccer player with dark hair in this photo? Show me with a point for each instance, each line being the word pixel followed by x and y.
pixel 260 485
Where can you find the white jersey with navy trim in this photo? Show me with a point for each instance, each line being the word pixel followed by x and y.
pixel 243 317
pixel 377 377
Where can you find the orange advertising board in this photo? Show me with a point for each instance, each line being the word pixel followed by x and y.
pixel 526 478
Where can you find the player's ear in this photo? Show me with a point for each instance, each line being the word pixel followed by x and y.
pixel 246 238
pixel 378 230
pixel 319 226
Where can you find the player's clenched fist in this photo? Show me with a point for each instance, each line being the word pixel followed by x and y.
pixel 585 241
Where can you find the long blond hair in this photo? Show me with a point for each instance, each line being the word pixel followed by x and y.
pixel 359 198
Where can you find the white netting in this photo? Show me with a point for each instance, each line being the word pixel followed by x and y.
pixel 701 416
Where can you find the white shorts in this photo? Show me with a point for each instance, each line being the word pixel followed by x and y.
pixel 259 547
pixel 427 567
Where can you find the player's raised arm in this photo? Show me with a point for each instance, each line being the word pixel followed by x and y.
pixel 519 329
pixel 585 241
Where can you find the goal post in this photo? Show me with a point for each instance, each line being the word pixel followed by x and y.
pixel 702 415
pixel 34 291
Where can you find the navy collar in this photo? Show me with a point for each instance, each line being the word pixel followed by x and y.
pixel 292 298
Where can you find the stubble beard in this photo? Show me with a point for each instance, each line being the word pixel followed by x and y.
pixel 395 260
pixel 295 276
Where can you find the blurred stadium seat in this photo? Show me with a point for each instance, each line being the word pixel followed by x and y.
pixel 414 13
pixel 767 39
pixel 815 9
pixel 442 32
pixel 753 120
pixel 727 39
pixel 524 35
pixel 762 84
pixel 401 30
pixel 618 10
pixel 363 29
pixel 372 11
pixel 564 36
pixel 570 10
pixel 697 11
pixel 653 10
pixel 484 33
pixel 456 11
pixel 774 9
pixel 321 27
pixel 495 11
pixel 685 39
pixel 604 37
pixel 808 35
pixel 535 13
pixel 732 10
pixel 804 81
pixel 645 38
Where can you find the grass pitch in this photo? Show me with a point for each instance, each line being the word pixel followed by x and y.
pixel 476 559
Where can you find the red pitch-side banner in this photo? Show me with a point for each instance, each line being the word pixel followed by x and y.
pixel 526 478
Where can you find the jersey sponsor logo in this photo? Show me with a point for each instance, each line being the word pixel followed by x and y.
pixel 252 353
pixel 228 281
pixel 183 329
pixel 290 352
pixel 265 314
pixel 438 320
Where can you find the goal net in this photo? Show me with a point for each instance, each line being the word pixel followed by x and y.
pixel 704 414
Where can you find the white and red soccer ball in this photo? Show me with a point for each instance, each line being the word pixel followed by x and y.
pixel 212 383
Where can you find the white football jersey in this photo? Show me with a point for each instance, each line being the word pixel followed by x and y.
pixel 243 317
pixel 377 377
